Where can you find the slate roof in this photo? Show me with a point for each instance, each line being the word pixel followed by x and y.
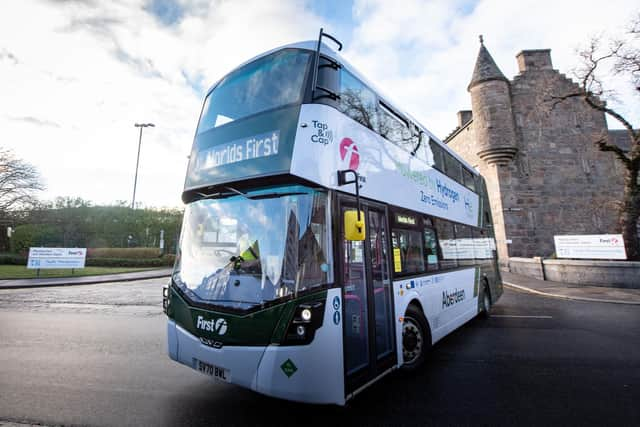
pixel 485 69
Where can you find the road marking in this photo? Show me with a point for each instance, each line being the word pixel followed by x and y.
pixel 566 297
pixel 517 316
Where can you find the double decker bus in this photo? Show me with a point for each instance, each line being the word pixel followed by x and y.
pixel 328 238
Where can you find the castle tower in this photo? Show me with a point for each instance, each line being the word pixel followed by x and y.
pixel 545 176
pixel 492 114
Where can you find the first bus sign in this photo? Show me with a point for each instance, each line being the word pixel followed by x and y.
pixel 591 246
pixel 56 257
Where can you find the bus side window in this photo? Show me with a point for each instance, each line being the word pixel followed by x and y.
pixel 396 129
pixel 437 151
pixel 357 101
pixel 447 242
pixel 408 252
pixel 430 247
pixel 453 167
pixel 469 180
pixel 464 245
pixel 482 251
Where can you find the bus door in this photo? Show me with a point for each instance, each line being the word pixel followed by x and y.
pixel 369 340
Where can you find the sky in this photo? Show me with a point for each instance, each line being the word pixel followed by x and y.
pixel 75 75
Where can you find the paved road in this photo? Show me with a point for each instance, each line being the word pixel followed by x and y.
pixel 95 355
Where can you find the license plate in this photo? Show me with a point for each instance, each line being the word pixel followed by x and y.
pixel 212 370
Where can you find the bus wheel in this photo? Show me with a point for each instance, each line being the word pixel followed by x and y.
pixel 416 338
pixel 486 301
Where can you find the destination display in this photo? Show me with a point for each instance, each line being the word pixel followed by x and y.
pixel 253 147
pixel 56 258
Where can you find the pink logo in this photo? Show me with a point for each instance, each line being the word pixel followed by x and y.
pixel 349 152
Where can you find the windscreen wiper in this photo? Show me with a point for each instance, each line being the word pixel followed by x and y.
pixel 235 301
pixel 274 195
pixel 219 195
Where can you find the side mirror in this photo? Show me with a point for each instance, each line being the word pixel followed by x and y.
pixel 354 228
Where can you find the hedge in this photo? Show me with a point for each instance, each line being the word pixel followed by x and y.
pixel 128 253
pixel 165 261
pixel 9 259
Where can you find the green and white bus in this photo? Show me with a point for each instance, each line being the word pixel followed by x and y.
pixel 328 237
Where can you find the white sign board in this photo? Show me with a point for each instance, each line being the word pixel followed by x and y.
pixel 56 257
pixel 592 246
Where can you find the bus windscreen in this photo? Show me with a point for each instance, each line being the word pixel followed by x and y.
pixel 246 250
pixel 269 82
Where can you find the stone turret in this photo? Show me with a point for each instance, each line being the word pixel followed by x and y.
pixel 492 113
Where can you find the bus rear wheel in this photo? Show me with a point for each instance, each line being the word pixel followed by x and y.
pixel 416 339
pixel 486 301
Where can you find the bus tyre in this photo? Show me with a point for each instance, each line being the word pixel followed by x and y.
pixel 486 301
pixel 416 338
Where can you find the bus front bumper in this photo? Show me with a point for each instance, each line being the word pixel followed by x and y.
pixel 310 373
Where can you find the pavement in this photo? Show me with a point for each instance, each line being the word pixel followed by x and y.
pixel 571 291
pixel 84 280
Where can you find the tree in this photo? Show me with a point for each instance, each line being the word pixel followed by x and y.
pixel 621 58
pixel 19 182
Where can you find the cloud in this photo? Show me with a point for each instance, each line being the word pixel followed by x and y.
pixel 9 57
pixel 35 121
pixel 76 75
pixel 423 53
pixel 90 70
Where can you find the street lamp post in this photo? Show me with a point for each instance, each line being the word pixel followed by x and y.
pixel 135 180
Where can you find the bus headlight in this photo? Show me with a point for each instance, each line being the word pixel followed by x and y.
pixel 306 319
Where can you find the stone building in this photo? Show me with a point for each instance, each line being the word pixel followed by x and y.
pixel 544 174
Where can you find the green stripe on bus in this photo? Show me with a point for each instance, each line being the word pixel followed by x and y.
pixel 259 328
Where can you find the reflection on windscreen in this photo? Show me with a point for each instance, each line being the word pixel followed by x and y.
pixel 267 83
pixel 238 252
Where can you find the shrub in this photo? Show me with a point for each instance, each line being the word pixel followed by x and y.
pixel 165 261
pixel 170 259
pixel 9 259
pixel 34 235
pixel 128 253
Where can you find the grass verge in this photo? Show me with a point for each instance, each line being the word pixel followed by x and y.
pixel 21 272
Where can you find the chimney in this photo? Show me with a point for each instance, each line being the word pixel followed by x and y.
pixel 464 117
pixel 535 59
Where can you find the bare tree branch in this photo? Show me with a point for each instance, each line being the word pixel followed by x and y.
pixel 623 58
pixel 19 182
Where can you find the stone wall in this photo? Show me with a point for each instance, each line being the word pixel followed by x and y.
pixel 559 182
pixel 619 274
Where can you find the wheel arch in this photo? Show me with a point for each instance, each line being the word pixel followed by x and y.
pixel 486 287
pixel 416 303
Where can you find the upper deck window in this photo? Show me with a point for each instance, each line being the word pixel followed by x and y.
pixel 357 101
pixel 262 85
